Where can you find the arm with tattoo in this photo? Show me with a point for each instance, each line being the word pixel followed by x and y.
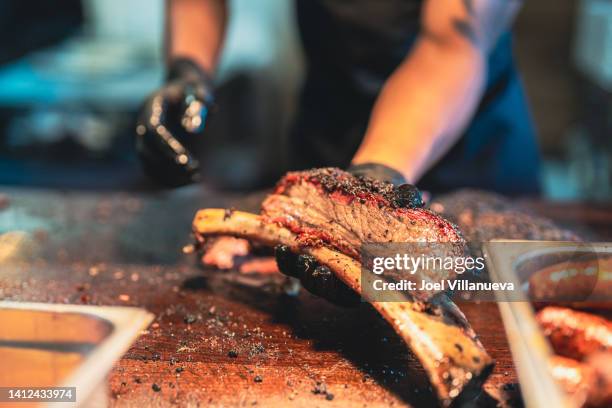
pixel 429 100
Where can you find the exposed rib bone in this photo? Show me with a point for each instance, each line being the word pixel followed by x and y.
pixel 438 333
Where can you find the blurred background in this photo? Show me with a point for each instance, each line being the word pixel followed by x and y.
pixel 74 72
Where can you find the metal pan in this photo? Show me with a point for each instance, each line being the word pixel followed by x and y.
pixel 506 261
pixel 53 345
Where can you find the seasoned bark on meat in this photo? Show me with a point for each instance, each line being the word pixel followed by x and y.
pixel 437 333
pixel 337 209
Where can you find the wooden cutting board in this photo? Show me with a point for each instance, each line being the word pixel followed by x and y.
pixel 125 249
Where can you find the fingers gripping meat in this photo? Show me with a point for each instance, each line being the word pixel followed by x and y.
pixel 437 332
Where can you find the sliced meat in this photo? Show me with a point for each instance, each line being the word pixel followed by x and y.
pixel 587 282
pixel 575 334
pixel 575 378
pixel 587 383
pixel 332 207
pixel 223 251
pixel 437 332
pixel 343 211
pixel 600 395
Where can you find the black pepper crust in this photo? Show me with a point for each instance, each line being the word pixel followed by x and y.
pixel 332 179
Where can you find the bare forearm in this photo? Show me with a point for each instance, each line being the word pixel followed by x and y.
pixel 427 103
pixel 423 108
pixel 195 29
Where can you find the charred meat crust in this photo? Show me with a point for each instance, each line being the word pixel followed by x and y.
pixel 332 180
pixel 436 332
pixel 332 207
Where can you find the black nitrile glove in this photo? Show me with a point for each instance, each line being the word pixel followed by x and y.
pixel 171 122
pixel 319 279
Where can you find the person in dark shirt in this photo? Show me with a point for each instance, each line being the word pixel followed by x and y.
pixel 404 90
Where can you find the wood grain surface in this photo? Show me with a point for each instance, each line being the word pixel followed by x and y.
pixel 222 338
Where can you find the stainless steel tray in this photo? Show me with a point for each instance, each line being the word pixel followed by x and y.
pixel 53 345
pixel 529 347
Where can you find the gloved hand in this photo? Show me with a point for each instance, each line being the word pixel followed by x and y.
pixel 171 123
pixel 318 279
